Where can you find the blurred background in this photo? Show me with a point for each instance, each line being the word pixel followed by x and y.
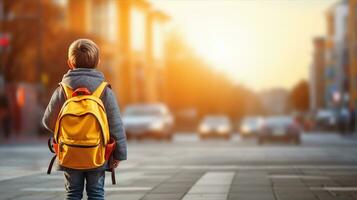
pixel 217 68
pixel 220 99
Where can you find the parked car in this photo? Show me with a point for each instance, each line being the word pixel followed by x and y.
pixel 279 128
pixel 148 120
pixel 215 126
pixel 250 126
pixel 325 120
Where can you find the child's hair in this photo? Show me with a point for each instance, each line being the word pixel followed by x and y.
pixel 83 53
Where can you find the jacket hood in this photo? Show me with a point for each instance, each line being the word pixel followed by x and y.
pixel 83 77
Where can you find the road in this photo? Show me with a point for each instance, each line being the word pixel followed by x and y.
pixel 323 167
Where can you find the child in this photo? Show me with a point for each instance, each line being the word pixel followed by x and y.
pixel 83 59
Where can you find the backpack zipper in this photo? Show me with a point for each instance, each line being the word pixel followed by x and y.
pixel 77 145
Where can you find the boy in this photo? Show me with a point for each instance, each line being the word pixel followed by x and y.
pixel 83 59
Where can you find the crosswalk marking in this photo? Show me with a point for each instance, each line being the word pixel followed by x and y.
pixel 62 189
pixel 335 189
pixel 212 185
pixel 292 176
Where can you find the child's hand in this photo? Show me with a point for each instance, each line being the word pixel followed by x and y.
pixel 115 163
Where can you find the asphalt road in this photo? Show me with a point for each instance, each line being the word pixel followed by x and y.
pixel 323 167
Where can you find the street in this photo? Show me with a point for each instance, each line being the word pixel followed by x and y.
pixel 323 167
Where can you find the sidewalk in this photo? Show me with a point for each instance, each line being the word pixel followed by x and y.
pixel 23 139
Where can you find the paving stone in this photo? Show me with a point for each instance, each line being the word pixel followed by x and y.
pixel 183 179
pixel 175 184
pixel 265 189
pixel 34 196
pixel 205 197
pixel 291 187
pixel 321 183
pixel 251 196
pixel 296 196
pixel 209 189
pixel 251 184
pixel 165 189
pixel 176 196
pixel 124 196
pixel 145 183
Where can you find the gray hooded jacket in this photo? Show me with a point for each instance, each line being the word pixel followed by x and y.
pixel 90 79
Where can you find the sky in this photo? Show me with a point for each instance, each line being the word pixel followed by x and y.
pixel 261 44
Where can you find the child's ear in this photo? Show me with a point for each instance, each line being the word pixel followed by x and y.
pixel 70 65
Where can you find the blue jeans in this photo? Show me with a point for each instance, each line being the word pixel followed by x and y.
pixel 74 183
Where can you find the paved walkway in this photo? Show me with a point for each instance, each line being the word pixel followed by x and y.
pixel 324 167
pixel 265 184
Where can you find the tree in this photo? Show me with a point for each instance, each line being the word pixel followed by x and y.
pixel 192 82
pixel 39 43
pixel 299 97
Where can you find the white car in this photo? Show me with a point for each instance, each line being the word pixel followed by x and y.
pixel 141 120
pixel 326 120
pixel 250 126
pixel 215 126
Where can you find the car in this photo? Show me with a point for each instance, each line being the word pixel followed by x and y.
pixel 325 120
pixel 148 120
pixel 215 126
pixel 279 128
pixel 250 126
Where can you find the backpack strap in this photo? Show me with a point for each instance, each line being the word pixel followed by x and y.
pixel 67 90
pixel 100 89
pixel 54 149
pixel 49 169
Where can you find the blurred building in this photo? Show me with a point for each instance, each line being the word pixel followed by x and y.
pixel 317 75
pixel 132 37
pixel 336 57
pixel 275 101
pixel 21 35
pixel 341 51
pixel 130 33
pixel 330 69
pixel 340 71
pixel 352 46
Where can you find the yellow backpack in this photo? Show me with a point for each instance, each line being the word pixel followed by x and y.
pixel 82 131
